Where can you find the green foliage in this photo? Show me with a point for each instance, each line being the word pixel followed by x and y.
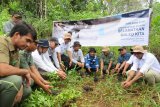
pixel 4 17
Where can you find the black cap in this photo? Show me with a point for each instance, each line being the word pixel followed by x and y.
pixel 121 48
pixel 55 40
pixel 76 43
pixel 43 43
pixel 92 50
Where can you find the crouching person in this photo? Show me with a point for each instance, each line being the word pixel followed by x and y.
pixel 43 62
pixel 77 55
pixel 149 68
pixel 12 87
pixel 26 62
pixel 91 62
pixel 106 61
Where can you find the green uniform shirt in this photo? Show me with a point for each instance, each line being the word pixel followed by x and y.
pixel 8 53
pixel 108 58
pixel 26 59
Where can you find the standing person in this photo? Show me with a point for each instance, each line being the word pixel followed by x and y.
pixel 106 61
pixel 53 43
pixel 77 55
pixel 64 52
pixel 44 63
pixel 12 87
pixel 26 62
pixel 91 62
pixel 145 65
pixel 16 18
pixel 122 59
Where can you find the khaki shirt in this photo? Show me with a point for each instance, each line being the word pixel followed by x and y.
pixel 8 53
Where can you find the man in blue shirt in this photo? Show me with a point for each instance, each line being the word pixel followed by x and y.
pixel 122 59
pixel 91 61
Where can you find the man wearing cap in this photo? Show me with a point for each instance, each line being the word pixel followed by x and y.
pixel 12 87
pixel 26 62
pixel 44 63
pixel 77 55
pixel 145 65
pixel 16 18
pixel 64 51
pixel 122 59
pixel 91 62
pixel 53 43
pixel 106 61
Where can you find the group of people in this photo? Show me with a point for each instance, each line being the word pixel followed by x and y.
pixel 24 60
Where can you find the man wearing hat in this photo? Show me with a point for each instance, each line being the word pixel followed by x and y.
pixel 16 18
pixel 64 51
pixel 122 59
pixel 106 61
pixel 145 65
pixel 44 63
pixel 77 55
pixel 91 62
pixel 26 62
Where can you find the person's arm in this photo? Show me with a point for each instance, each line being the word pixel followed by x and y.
pixel 110 65
pixel 129 77
pixel 55 59
pixel 87 63
pixel 138 75
pixel 125 68
pixel 70 57
pixel 37 79
pixel 97 64
pixel 7 70
pixel 122 65
pixel 35 71
pixel 101 65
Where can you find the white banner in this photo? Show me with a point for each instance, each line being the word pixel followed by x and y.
pixel 121 30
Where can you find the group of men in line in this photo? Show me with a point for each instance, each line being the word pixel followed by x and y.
pixel 24 59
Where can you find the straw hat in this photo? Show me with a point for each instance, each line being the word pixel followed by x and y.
pixel 67 36
pixel 139 49
pixel 105 49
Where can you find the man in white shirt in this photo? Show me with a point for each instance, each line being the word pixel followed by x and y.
pixel 77 55
pixel 44 63
pixel 145 65
pixel 64 51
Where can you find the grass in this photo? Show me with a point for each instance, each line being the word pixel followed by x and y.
pixel 105 93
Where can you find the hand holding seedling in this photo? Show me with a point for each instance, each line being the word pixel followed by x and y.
pixel 61 74
pixel 47 88
pixel 126 84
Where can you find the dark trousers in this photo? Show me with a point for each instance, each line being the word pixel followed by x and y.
pixel 66 61
pixel 93 71
pixel 119 75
